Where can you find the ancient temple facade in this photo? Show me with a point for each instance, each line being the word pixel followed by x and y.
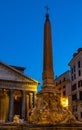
pixel 17 93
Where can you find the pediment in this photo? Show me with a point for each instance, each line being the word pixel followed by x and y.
pixel 9 73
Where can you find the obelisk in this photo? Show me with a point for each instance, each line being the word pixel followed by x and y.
pixel 48 73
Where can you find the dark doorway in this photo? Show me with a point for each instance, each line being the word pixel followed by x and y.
pixel 17 106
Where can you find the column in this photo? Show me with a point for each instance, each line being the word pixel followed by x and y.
pixel 23 105
pixel 11 105
pixel 27 107
pixel 34 99
pixel 30 100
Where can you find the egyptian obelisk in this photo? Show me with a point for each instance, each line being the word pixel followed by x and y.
pixel 48 73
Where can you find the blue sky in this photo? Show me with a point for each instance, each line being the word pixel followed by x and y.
pixel 22 32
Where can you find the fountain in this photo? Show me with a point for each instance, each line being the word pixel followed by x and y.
pixel 48 109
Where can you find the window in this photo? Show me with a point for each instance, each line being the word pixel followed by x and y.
pixel 80 83
pixel 81 104
pixel 74 108
pixel 64 93
pixel 59 88
pixel 78 64
pixel 64 87
pixel 74 87
pixel 64 79
pixel 76 117
pixel 80 95
pixel 74 97
pixel 79 73
pixel 74 68
pixel 81 114
pixel 74 76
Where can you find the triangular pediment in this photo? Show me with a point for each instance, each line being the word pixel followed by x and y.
pixel 9 73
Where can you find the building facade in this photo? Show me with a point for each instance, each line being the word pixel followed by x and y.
pixel 62 84
pixel 70 84
pixel 17 93
pixel 76 83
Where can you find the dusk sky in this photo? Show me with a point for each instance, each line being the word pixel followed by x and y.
pixel 22 33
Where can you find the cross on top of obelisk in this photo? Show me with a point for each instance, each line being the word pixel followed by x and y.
pixel 47 8
pixel 47 15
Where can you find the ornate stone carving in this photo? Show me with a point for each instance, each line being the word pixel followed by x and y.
pixel 48 110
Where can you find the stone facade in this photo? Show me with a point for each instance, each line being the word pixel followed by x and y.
pixel 17 93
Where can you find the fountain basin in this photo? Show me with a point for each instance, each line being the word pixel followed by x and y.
pixel 40 127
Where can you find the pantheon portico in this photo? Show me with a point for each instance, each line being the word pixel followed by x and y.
pixel 17 93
